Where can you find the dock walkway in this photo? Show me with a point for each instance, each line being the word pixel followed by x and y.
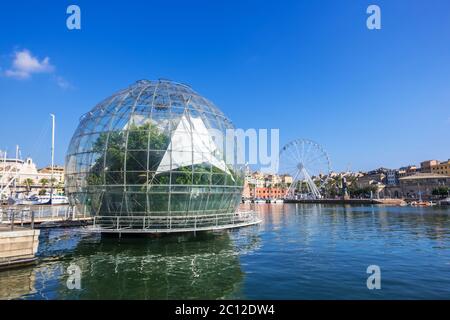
pixel 40 216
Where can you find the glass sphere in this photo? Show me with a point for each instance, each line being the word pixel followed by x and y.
pixel 146 151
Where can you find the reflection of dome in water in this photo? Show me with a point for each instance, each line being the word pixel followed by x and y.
pixel 171 267
pixel 147 152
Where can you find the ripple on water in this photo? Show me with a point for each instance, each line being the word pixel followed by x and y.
pixel 298 252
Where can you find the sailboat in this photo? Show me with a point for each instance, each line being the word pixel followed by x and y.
pixel 49 198
pixel 52 198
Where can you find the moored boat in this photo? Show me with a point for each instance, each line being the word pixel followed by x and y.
pixel 259 201
pixel 46 199
pixel 422 204
pixel 277 201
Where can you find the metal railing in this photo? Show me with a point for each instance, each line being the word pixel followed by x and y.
pixel 166 224
pixel 29 216
pixel 14 216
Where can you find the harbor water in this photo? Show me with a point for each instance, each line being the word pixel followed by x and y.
pixel 299 251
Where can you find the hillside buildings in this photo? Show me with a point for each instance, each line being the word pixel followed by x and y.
pixel 441 168
pixel 410 181
pixel 427 166
pixel 259 185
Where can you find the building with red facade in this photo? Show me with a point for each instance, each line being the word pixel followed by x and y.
pixel 270 193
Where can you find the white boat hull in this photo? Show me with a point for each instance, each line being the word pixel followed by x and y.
pixel 43 200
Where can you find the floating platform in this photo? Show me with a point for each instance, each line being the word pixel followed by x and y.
pixel 172 224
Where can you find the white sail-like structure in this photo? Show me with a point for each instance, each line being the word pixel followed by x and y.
pixel 191 144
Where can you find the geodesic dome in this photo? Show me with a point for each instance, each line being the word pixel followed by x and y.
pixel 144 158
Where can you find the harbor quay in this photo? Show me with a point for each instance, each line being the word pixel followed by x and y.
pixel 18 246
pixel 20 229
pixel 389 202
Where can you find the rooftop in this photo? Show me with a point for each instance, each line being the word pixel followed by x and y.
pixel 424 176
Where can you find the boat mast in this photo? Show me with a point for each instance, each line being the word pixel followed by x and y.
pixel 4 170
pixel 17 169
pixel 53 156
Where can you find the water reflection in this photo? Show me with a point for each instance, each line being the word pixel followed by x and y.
pixel 300 251
pixel 205 266
pixel 16 283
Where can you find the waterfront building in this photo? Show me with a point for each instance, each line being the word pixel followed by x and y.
pixel 375 178
pixel 256 179
pixel 392 177
pixel 144 160
pixel 426 166
pixel 17 175
pixel 271 193
pixel 422 184
pixel 265 185
pixel 286 180
pixel 442 168
pixel 407 171
pixel 58 172
pixel 371 178
pixel 247 192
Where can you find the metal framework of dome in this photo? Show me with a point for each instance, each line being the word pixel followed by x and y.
pixel 143 160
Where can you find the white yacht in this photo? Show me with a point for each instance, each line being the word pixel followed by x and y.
pixel 46 199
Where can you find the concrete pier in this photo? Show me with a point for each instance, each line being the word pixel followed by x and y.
pixel 18 246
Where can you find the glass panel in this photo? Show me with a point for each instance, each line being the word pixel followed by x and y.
pixel 158 202
pixel 114 177
pixel 179 203
pixel 110 171
pixel 138 178
pixel 137 160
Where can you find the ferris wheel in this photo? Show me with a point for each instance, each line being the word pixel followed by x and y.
pixel 308 164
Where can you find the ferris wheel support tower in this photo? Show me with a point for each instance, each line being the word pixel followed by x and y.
pixel 303 160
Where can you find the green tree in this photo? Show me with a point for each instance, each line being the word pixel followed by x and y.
pixel 44 182
pixel 122 157
pixel 28 183
pixel 364 192
pixel 441 191
pixel 113 160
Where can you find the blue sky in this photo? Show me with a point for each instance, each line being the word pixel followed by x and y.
pixel 310 68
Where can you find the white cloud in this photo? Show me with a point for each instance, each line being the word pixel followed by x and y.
pixel 25 64
pixel 63 83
